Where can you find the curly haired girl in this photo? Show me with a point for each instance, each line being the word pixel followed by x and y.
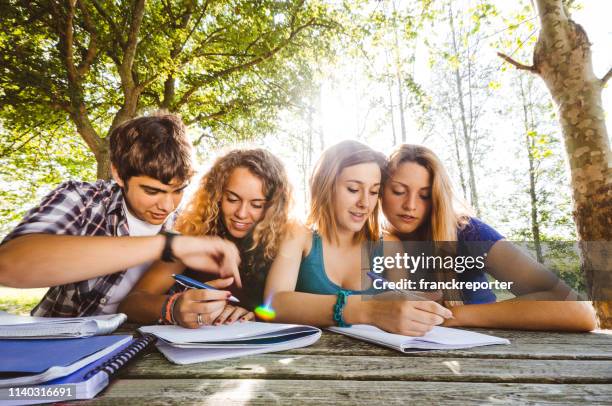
pixel 244 198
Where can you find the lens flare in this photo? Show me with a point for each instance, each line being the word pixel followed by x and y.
pixel 265 313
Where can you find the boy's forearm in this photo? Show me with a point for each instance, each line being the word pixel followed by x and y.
pixel 42 260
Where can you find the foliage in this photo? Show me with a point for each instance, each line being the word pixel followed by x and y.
pixel 218 63
pixel 72 70
pixel 264 71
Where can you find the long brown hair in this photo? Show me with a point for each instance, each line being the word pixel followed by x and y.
pixel 323 188
pixel 448 212
pixel 202 215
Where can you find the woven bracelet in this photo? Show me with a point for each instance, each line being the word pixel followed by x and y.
pixel 339 307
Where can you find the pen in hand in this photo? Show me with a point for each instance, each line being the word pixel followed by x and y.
pixel 410 295
pixel 194 284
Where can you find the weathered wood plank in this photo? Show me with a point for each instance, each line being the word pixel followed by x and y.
pixel 603 338
pixel 287 366
pixel 335 344
pixel 524 344
pixel 264 392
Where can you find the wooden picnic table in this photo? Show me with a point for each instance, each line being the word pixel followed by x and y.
pixel 537 367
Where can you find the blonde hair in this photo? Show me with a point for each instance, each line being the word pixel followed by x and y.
pixel 202 215
pixel 448 212
pixel 323 188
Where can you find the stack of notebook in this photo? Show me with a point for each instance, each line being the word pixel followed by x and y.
pixel 208 343
pixel 12 326
pixel 84 365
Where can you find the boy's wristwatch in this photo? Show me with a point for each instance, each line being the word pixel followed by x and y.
pixel 167 254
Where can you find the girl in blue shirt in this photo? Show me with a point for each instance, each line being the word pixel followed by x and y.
pixel 419 205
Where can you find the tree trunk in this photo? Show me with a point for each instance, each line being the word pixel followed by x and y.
pixel 533 197
pixel 398 77
pixel 562 58
pixel 103 162
pixel 390 90
pixel 459 163
pixel 467 139
pixel 457 150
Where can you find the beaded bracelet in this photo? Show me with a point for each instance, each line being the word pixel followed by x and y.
pixel 339 307
pixel 171 305
pixel 167 311
pixel 162 319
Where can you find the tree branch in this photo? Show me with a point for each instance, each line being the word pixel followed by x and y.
pixel 265 56
pixel 518 65
pixel 68 35
pixel 129 51
pixel 9 150
pixel 176 52
pixel 223 110
pixel 606 77
pixel 201 44
pixel 92 48
pixel 110 21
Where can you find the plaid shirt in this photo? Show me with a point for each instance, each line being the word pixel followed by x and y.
pixel 85 209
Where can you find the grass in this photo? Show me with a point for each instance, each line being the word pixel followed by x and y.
pixel 20 301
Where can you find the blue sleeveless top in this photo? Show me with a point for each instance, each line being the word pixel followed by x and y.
pixel 312 277
pixel 480 237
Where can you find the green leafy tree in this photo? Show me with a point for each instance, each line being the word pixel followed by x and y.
pixel 88 65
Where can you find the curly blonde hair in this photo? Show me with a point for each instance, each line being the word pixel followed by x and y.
pixel 202 215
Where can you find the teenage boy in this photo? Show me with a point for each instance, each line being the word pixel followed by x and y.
pixel 92 242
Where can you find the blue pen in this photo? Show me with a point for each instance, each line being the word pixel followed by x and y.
pixel 193 284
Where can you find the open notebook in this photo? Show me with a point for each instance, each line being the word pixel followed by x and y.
pixel 439 338
pixel 207 343
pixel 16 327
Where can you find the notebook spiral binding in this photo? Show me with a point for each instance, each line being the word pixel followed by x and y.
pixel 115 363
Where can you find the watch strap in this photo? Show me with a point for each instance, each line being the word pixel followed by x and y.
pixel 167 253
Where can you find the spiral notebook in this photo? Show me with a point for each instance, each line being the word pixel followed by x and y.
pixel 31 362
pixel 90 380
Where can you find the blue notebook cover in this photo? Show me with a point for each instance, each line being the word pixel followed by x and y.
pixel 109 364
pixel 85 373
pixel 36 356
pixel 94 377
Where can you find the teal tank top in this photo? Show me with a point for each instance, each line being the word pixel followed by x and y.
pixel 312 277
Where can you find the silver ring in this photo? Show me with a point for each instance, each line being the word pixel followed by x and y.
pixel 200 322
